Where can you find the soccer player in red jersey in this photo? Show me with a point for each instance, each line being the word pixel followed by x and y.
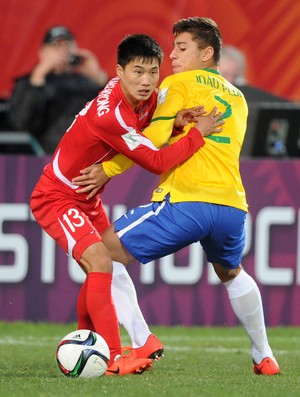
pixel 110 123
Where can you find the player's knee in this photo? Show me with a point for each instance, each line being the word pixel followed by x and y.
pixel 96 258
pixel 225 274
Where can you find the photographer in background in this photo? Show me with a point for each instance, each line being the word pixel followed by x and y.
pixel 233 65
pixel 65 77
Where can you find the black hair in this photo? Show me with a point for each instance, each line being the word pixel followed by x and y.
pixel 204 31
pixel 138 46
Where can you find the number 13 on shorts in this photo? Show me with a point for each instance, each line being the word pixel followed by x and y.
pixel 73 219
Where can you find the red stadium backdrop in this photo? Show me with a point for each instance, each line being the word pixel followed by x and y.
pixel 267 31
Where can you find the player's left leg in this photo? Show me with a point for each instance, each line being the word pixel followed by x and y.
pixel 126 303
pixel 245 300
pixel 224 249
pixel 145 344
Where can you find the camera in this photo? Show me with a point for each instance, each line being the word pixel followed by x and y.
pixel 75 60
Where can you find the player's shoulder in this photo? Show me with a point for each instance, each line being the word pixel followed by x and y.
pixel 179 82
pixel 109 97
pixel 179 77
pixel 176 84
pixel 112 89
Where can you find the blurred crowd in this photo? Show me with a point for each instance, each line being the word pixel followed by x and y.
pixel 65 77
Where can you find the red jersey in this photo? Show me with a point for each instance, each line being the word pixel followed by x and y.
pixel 108 125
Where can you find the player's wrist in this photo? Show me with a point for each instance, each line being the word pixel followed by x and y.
pixel 106 166
pixel 197 134
pixel 177 130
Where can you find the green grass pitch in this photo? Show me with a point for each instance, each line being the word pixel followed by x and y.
pixel 199 361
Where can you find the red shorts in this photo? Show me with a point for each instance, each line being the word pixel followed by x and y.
pixel 73 222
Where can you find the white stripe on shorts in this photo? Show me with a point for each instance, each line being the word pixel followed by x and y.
pixel 140 220
pixel 71 241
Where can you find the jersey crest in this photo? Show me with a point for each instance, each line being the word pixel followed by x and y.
pixel 162 95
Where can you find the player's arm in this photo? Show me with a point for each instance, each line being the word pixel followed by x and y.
pixel 141 151
pixel 119 164
pixel 93 177
pixel 134 145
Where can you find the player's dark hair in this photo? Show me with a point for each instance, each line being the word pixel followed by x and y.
pixel 205 32
pixel 138 46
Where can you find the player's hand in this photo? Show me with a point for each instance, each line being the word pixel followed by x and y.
pixel 186 116
pixel 92 179
pixel 211 123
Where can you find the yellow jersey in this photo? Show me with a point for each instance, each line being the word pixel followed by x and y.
pixel 212 173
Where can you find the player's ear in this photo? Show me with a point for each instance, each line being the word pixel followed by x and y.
pixel 208 53
pixel 119 71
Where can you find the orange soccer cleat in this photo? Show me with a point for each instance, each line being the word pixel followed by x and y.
pixel 268 366
pixel 153 349
pixel 128 364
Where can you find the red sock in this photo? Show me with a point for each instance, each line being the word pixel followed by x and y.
pixel 84 320
pixel 102 311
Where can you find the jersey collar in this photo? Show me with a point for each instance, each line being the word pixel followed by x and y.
pixel 213 71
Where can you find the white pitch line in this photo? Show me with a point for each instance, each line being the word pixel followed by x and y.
pixel 42 341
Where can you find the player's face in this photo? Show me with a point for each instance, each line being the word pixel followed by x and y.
pixel 138 79
pixel 186 54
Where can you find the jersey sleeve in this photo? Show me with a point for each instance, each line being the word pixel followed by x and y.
pixel 117 165
pixel 123 136
pixel 169 102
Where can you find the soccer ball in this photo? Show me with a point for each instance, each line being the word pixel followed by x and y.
pixel 82 353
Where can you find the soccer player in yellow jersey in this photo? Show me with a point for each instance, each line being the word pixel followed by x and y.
pixel 202 199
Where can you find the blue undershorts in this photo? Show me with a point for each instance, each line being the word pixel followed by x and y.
pixel 158 229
